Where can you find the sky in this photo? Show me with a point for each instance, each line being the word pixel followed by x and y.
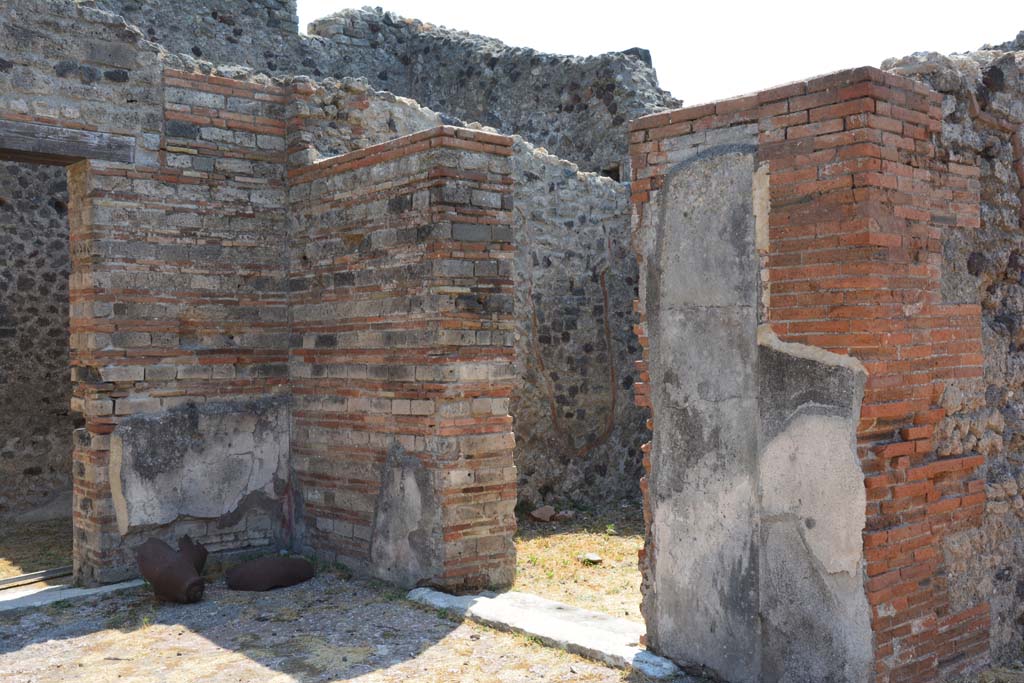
pixel 708 50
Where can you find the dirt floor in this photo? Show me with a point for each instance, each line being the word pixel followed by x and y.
pixel 334 628
pixel 548 560
pixel 1002 675
pixel 327 629
pixel 33 547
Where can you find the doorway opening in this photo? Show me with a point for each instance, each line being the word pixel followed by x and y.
pixel 586 556
pixel 36 422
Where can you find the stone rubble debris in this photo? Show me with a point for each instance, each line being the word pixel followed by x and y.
pixel 544 513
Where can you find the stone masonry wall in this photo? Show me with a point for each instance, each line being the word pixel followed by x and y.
pixel 402 359
pixel 35 376
pixel 53 60
pixel 579 226
pixel 262 34
pixel 334 117
pixel 178 287
pixel 187 309
pixel 982 119
pixel 578 431
pixel 577 107
pixel 181 298
pixel 856 198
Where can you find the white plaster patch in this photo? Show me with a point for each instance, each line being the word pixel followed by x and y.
pixel 766 337
pixel 205 473
pixel 762 206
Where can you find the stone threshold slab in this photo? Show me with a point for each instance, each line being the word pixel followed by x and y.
pixel 20 598
pixel 593 635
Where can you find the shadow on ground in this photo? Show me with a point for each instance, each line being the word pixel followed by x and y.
pixel 331 628
pixel 34 546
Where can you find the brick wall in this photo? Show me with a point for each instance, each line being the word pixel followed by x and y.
pixel 858 202
pixel 578 434
pixel 179 292
pixel 981 127
pixel 402 358
pixel 180 325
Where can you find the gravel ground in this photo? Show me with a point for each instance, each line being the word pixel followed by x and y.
pixel 328 629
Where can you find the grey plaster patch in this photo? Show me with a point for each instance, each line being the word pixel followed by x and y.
pixel 707 230
pixel 701 297
pixel 815 616
pixel 590 634
pixel 198 460
pixel 407 539
pixel 757 495
pixel 810 476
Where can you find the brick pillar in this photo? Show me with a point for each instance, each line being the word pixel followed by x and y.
pixel 856 205
pixel 92 510
pixel 402 359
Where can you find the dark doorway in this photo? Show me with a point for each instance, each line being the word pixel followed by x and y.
pixel 36 422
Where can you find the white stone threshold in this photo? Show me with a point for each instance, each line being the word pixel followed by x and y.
pixel 593 635
pixel 20 598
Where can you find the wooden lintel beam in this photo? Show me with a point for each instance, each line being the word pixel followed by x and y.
pixel 44 144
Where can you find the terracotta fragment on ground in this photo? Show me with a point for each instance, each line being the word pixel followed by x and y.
pixel 172 574
pixel 194 551
pixel 269 572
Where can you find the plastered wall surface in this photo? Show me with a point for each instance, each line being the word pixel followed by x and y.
pixel 703 489
pixel 753 566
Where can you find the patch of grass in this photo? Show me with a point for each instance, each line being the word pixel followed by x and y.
pixel 548 561
pixel 132 618
pixel 387 592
